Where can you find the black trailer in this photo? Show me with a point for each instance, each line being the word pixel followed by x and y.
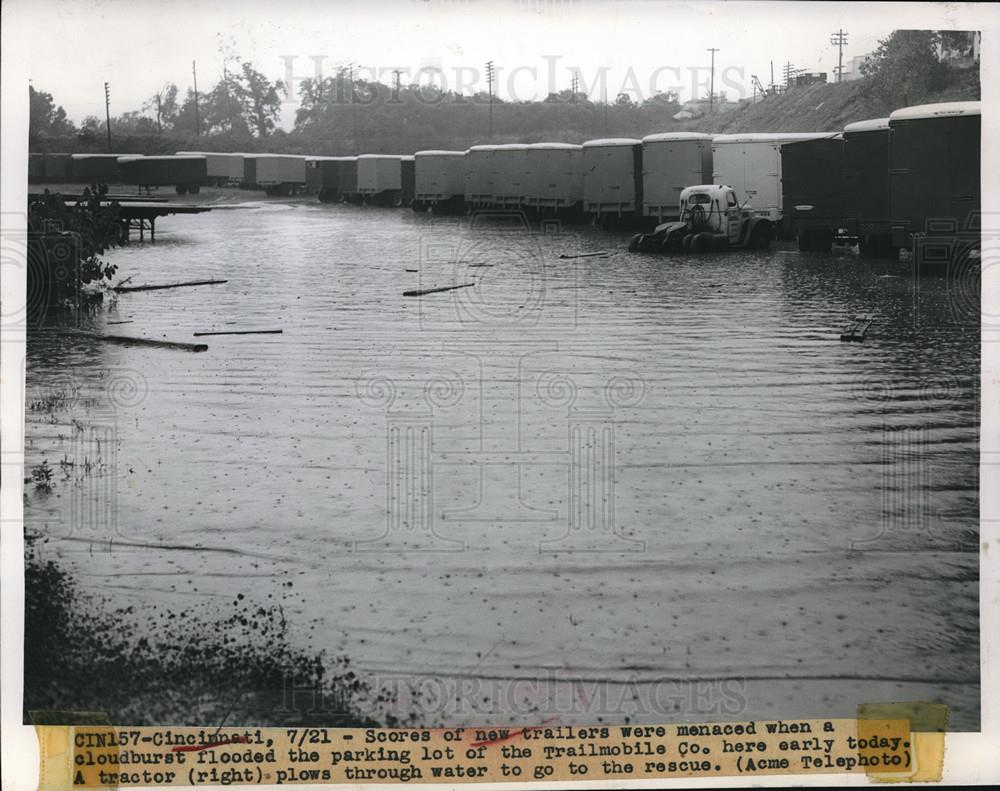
pixel 812 191
pixel 58 168
pixel 95 169
pixel 338 179
pixel 249 172
pixel 866 187
pixel 185 173
pixel 408 179
pixel 934 179
pixel 36 168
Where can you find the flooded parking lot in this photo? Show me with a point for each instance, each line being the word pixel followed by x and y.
pixel 586 472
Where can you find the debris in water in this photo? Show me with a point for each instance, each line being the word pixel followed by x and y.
pixel 858 327
pixel 585 255
pixel 169 285
pixel 129 339
pixel 421 292
pixel 240 332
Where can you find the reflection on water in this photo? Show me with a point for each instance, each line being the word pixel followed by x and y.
pixel 616 468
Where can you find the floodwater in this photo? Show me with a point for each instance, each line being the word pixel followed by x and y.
pixel 594 488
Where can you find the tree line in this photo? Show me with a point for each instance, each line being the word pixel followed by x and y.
pixel 341 114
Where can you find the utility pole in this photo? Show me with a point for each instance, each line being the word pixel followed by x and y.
pixel 711 89
pixel 159 112
pixel 490 76
pixel 839 39
pixel 354 106
pixel 396 75
pixel 197 119
pixel 574 85
pixel 107 112
pixel 772 77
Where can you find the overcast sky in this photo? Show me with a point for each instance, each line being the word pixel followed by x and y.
pixel 640 46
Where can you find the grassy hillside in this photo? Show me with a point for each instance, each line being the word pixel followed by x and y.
pixel 823 108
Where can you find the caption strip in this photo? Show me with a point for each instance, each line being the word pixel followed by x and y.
pixel 103 757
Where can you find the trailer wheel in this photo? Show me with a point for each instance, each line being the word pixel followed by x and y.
pixel 194 189
pixel 760 236
pixel 182 189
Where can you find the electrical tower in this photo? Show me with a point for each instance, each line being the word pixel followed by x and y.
pixel 490 76
pixel 839 39
pixel 574 85
pixel 789 72
pixel 396 75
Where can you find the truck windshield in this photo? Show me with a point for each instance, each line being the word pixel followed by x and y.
pixel 699 197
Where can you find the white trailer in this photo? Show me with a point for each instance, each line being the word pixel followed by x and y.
pixel 751 164
pixel 380 177
pixel 612 177
pixel 672 161
pixel 439 178
pixel 509 174
pixel 479 175
pixel 554 176
pixel 277 174
pixel 222 168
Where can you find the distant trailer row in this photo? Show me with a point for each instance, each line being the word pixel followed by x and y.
pixel 882 182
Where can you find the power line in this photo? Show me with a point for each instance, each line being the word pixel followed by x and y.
pixel 839 39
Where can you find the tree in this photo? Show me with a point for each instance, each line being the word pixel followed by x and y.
pixel 45 119
pixel 164 104
pixel 259 98
pixel 905 65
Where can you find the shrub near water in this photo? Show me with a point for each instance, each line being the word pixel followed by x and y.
pixel 82 656
pixel 65 242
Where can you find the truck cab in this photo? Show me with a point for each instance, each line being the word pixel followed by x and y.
pixel 713 208
pixel 711 217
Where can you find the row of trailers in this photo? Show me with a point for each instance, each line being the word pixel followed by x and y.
pixel 881 183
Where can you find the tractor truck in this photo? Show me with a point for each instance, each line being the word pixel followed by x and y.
pixel 710 218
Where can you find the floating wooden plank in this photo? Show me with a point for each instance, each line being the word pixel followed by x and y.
pixel 130 321
pixel 421 292
pixel 121 289
pixel 412 270
pixel 584 255
pixel 240 332
pixel 134 341
pixel 472 265
pixel 857 329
